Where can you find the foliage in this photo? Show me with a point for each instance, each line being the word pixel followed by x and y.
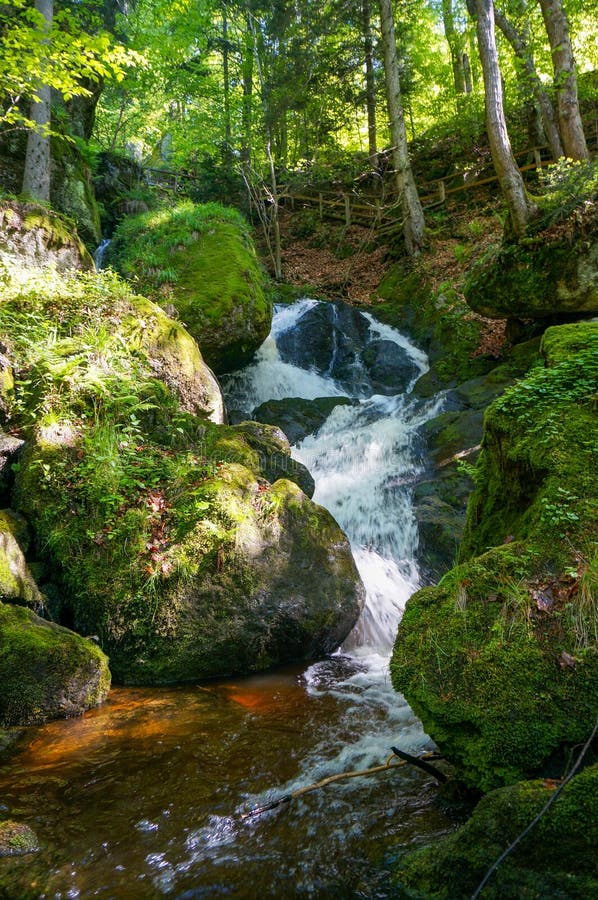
pixel 68 57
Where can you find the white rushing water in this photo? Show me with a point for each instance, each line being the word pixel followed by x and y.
pixel 364 460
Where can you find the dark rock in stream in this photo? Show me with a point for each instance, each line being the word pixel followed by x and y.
pixel 298 417
pixel 328 338
pixel 388 366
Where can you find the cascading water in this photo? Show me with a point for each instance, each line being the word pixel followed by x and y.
pixel 142 797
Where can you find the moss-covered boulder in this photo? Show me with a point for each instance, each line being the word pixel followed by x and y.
pixel 162 530
pixel 87 341
pixel 500 659
pixel 72 190
pixel 46 671
pixel 556 859
pixel 17 584
pixel 201 260
pixel 186 564
pixel 17 839
pixel 33 235
pixel 554 272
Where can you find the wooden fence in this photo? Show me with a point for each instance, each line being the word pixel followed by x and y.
pixel 377 208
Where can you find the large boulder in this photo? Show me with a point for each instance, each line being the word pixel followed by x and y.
pixel 328 338
pixel 201 261
pixel 499 660
pixel 34 236
pixel 554 273
pixel 110 344
pixel 47 671
pixel 210 571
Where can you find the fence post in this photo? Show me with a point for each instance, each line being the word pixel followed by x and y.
pixel 537 158
pixel 320 206
pixel 378 216
pixel 347 208
pixel 441 191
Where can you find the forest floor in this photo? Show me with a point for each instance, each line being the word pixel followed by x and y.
pixel 348 263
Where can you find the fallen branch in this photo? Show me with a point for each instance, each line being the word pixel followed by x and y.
pixel 396 760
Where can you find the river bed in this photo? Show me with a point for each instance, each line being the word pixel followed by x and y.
pixel 144 796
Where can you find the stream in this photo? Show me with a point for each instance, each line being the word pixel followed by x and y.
pixel 142 798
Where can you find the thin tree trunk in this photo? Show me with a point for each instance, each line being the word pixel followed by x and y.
pixel 370 84
pixel 246 111
pixel 226 78
pixel 509 176
pixel 413 214
pixel 565 78
pixel 524 54
pixel 276 245
pixel 455 42
pixel 36 175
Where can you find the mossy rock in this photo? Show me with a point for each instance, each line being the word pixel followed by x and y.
pixel 208 572
pixel 556 859
pixel 274 455
pixel 33 235
pixel 500 659
pixel 538 278
pixel 200 258
pixel 88 342
pixel 17 839
pixel 47 671
pixel 72 190
pixel 17 584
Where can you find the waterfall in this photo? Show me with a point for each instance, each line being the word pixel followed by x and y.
pixel 100 253
pixel 363 459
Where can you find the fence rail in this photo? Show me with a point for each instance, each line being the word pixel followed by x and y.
pixel 377 208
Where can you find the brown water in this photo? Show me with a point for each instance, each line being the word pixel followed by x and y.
pixel 141 798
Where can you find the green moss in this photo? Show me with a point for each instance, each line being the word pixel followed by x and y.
pixel 46 671
pixel 201 259
pixel 439 321
pixel 556 859
pixel 500 659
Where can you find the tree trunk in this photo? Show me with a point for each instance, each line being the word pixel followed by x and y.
pixel 509 176
pixel 524 54
pixel 455 42
pixel 36 176
pixel 246 111
pixel 227 155
pixel 370 84
pixel 565 79
pixel 413 214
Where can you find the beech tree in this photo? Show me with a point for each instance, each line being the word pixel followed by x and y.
pixel 519 40
pixel 565 79
pixel 519 207
pixel 413 214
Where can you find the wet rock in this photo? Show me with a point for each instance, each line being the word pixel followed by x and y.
pixel 298 417
pixel 274 455
pixel 388 366
pixel 17 839
pixel 327 338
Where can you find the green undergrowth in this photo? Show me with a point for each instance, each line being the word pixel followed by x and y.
pixel 440 321
pixel 500 660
